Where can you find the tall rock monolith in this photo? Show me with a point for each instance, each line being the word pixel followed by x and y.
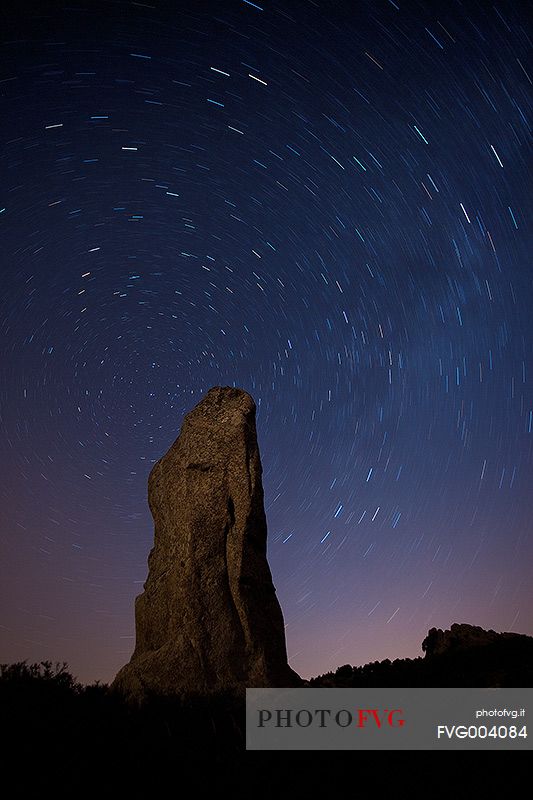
pixel 208 618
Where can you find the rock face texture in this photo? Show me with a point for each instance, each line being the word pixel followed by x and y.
pixel 208 618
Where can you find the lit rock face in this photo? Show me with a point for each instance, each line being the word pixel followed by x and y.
pixel 208 618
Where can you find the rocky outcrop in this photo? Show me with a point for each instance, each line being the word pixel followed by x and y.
pixel 464 656
pixel 208 619
pixel 463 637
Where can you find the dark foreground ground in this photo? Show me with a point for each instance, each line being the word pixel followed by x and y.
pixel 71 739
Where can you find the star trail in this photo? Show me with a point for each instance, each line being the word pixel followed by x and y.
pixel 323 203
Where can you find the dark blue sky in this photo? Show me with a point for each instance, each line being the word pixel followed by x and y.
pixel 325 204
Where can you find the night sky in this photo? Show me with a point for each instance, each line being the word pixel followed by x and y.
pixel 325 204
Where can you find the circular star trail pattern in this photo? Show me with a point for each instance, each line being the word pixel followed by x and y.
pixel 322 203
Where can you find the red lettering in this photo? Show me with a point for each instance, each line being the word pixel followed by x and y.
pixel 375 714
pixel 392 718
pixel 362 718
pixel 400 723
